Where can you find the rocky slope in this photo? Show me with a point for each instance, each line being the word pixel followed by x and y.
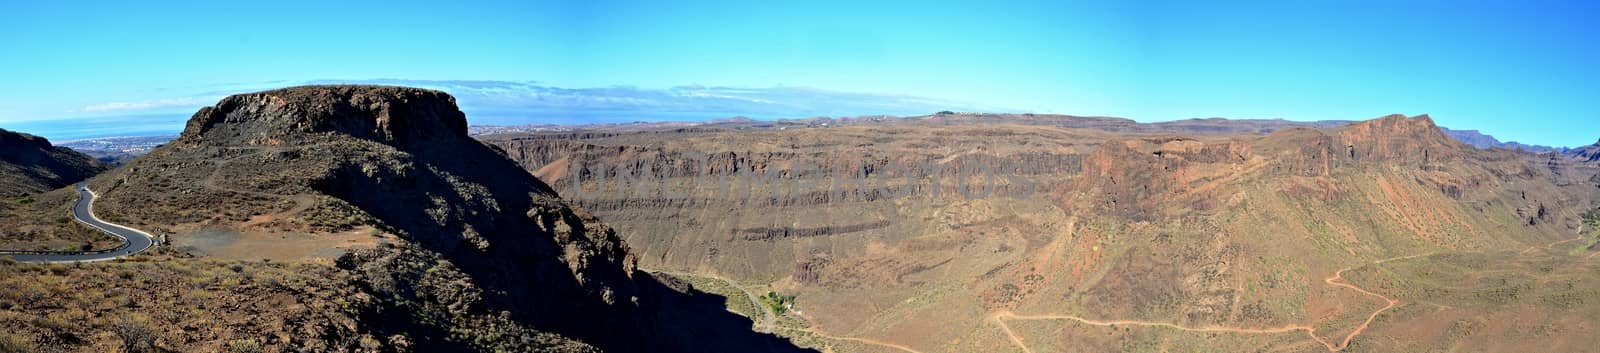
pixel 30 164
pixel 484 249
pixel 892 231
pixel 1590 153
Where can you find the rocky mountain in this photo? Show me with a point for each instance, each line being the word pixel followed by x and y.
pixel 486 256
pixel 967 232
pixel 1481 140
pixel 1590 153
pixel 30 164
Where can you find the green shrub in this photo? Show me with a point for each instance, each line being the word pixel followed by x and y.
pixel 25 200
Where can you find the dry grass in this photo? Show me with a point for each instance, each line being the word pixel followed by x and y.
pixel 176 304
pixel 42 223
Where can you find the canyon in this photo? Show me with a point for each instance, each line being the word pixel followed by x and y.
pixel 942 233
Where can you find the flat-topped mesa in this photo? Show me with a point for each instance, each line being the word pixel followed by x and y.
pixel 1391 138
pixel 1396 136
pixel 397 116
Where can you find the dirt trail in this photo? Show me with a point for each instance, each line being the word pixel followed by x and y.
pixel 999 319
pixel 1337 279
pixel 862 340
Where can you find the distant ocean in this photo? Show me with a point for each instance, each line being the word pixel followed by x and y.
pixel 171 124
pixel 506 116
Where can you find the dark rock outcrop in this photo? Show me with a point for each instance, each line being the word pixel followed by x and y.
pixel 30 164
pixel 396 116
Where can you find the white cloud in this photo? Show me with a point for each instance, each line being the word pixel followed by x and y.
pixel 193 102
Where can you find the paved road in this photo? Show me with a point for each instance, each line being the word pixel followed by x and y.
pixel 134 240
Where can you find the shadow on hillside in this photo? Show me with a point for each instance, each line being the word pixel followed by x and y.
pixel 519 264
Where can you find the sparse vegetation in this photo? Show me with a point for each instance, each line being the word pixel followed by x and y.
pixel 42 224
pixel 60 307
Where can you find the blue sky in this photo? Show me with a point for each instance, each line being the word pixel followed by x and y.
pixel 1520 70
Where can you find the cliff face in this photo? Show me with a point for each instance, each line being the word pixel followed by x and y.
pixel 1399 137
pixel 399 159
pixel 30 164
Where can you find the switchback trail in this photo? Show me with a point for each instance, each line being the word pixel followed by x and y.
pixel 1337 279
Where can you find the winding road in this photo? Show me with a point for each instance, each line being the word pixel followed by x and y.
pixel 134 241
